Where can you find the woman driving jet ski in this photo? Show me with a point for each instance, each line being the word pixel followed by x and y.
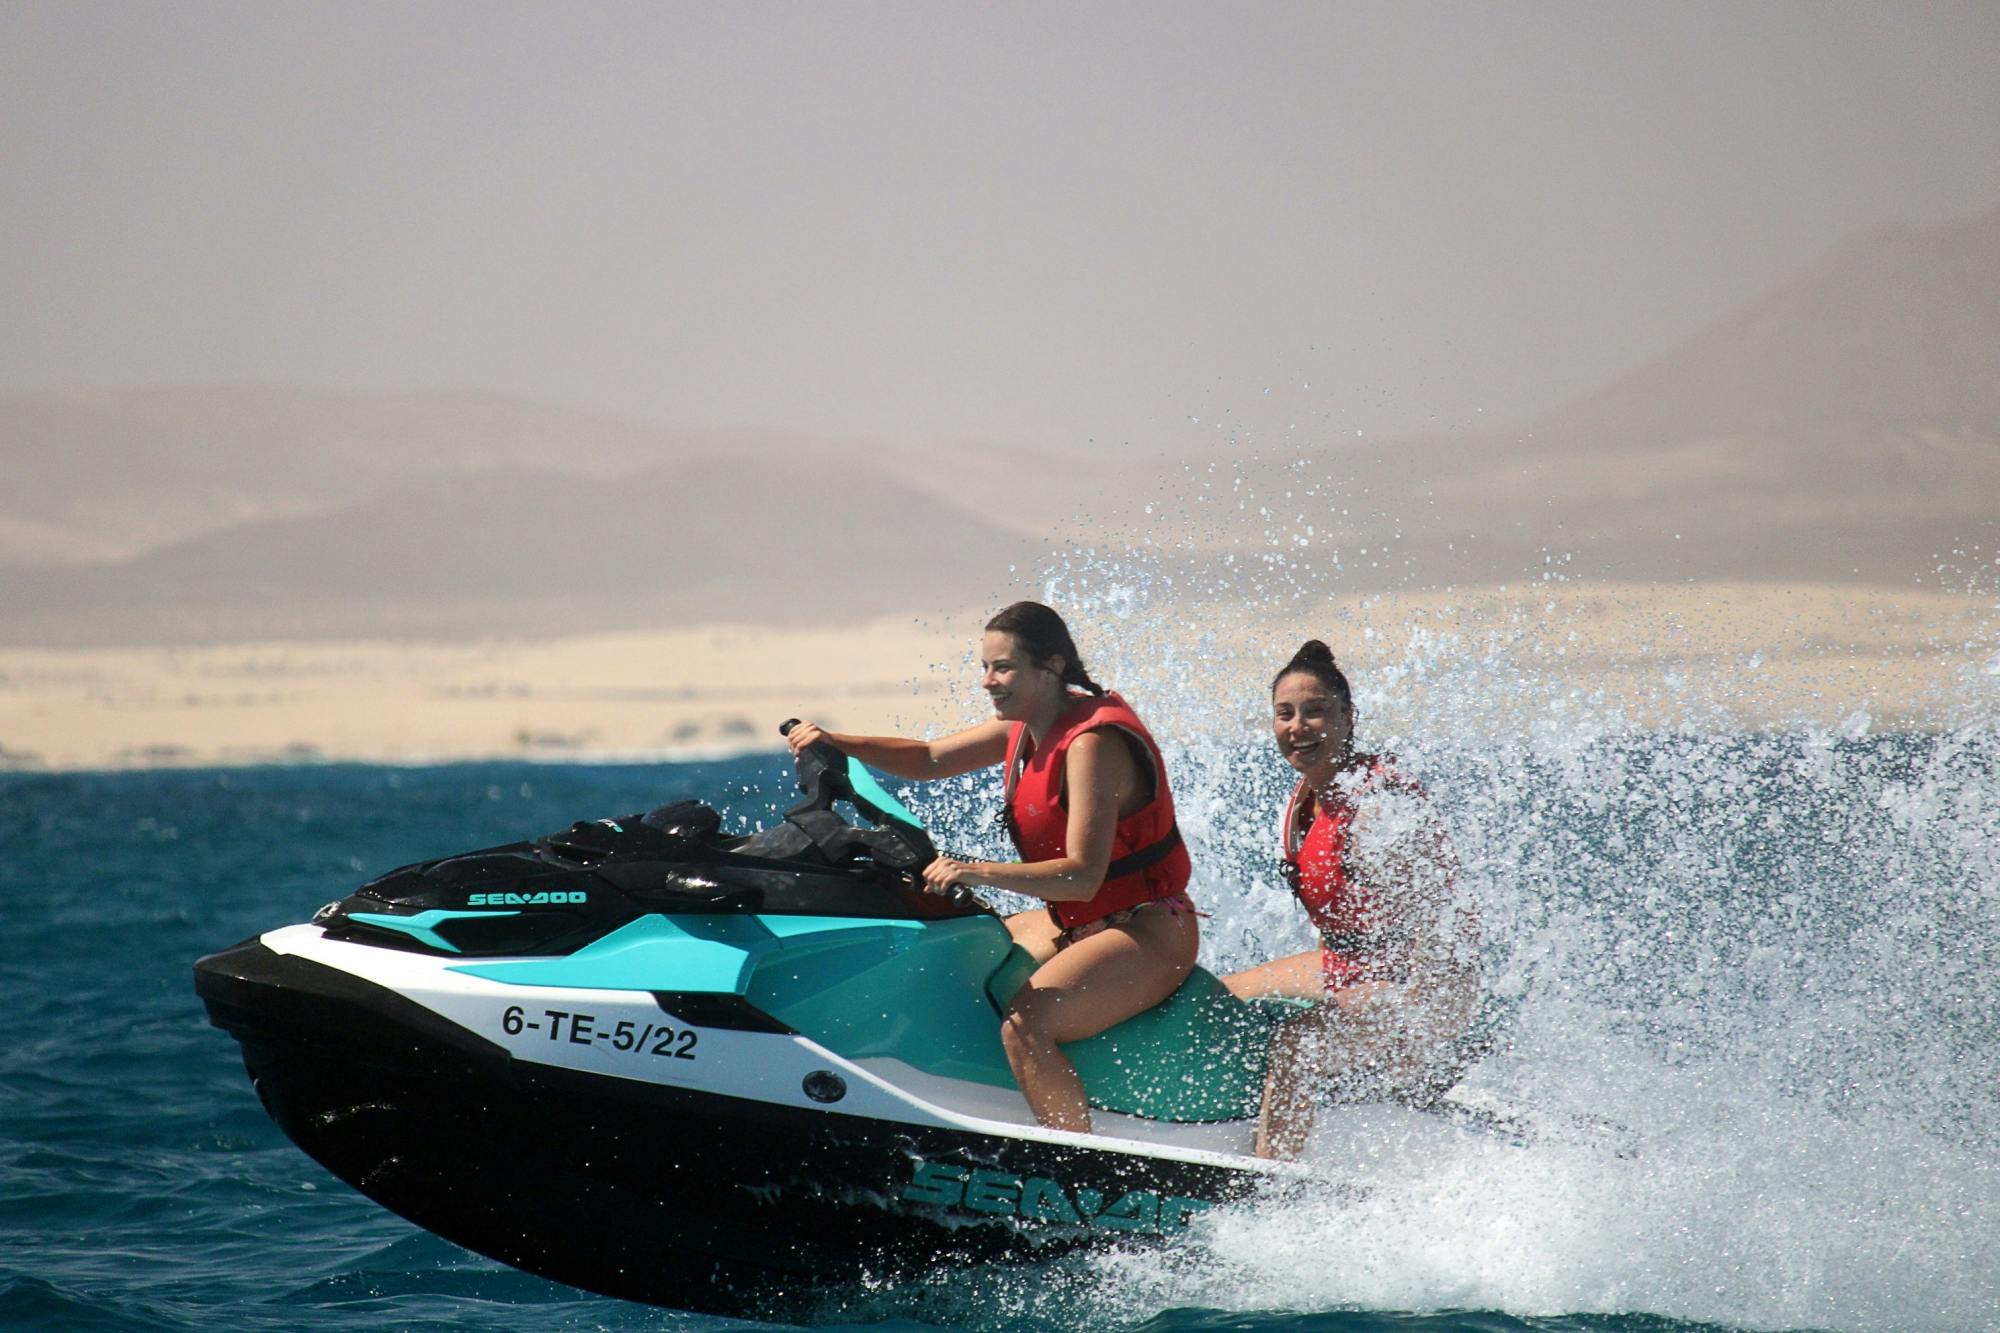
pixel 1087 804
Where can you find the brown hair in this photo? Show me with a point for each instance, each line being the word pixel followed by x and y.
pixel 1042 635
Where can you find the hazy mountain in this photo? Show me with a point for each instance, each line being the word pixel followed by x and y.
pixel 103 475
pixel 1844 426
pixel 1898 333
pixel 511 552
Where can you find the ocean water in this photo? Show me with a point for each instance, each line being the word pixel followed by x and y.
pixel 1770 960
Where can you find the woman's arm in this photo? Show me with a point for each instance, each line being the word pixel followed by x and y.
pixel 1100 776
pixel 962 752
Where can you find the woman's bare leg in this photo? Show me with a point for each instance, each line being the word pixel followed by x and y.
pixel 1299 976
pixel 1088 987
pixel 1294 1068
pixel 1343 1055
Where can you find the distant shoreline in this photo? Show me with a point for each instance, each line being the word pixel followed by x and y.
pixel 282 759
pixel 641 759
pixel 1594 659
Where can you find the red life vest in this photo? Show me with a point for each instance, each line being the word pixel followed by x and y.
pixel 1148 860
pixel 1348 914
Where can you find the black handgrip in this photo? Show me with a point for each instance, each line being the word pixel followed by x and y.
pixel 822 772
pixel 827 754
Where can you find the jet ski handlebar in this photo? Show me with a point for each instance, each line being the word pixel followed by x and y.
pixel 826 775
pixel 823 777
pixel 820 765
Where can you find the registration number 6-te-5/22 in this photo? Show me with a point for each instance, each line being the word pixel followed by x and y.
pixel 578 1029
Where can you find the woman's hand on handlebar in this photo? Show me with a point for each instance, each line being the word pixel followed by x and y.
pixel 803 734
pixel 948 874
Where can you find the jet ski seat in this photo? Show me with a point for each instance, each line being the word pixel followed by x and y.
pixel 1199 1055
pixel 1196 1056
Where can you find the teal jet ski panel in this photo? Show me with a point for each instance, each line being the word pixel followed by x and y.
pixel 935 1004
pixel 859 986
pixel 935 1001
pixel 714 953
pixel 921 1000
pixel 874 799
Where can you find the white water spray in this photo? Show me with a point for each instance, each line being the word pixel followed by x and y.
pixel 1768 953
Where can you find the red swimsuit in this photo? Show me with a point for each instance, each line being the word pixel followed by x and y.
pixel 1359 937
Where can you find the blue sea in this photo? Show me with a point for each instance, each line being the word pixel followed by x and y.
pixel 1769 960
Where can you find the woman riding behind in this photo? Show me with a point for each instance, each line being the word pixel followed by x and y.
pixel 1397 974
pixel 1090 813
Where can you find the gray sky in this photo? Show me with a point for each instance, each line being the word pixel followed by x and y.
pixel 1032 224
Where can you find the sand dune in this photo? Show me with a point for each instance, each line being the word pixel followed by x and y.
pixel 1710 656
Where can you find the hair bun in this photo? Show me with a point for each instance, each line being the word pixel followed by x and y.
pixel 1315 659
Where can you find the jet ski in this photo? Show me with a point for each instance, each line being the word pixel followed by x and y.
pixel 654 1060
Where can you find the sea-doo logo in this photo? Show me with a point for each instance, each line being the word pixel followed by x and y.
pixel 1039 1199
pixel 539 898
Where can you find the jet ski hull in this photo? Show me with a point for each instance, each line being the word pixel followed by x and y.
pixel 674 1194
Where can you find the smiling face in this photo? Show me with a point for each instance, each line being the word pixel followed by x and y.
pixel 1021 688
pixel 1314 728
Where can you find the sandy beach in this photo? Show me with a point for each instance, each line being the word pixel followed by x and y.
pixel 1612 656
